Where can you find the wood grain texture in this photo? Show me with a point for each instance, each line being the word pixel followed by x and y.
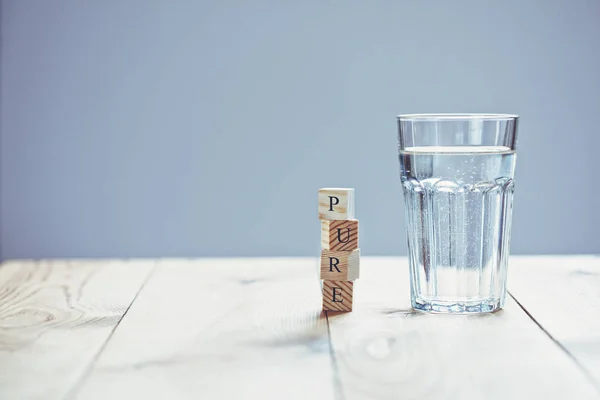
pixel 336 203
pixel 340 265
pixel 339 235
pixel 253 328
pixel 563 295
pixel 55 317
pixel 338 295
pixel 384 350
pixel 220 329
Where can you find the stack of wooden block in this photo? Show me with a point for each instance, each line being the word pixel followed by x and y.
pixel 340 255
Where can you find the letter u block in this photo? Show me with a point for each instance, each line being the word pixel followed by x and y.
pixel 340 265
pixel 336 203
pixel 339 235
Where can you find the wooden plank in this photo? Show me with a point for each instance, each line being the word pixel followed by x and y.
pixel 220 329
pixel 55 317
pixel 563 295
pixel 383 350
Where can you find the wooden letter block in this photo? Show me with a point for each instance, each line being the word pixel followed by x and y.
pixel 339 235
pixel 336 203
pixel 337 295
pixel 340 265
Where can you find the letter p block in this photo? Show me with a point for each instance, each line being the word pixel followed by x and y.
pixel 336 203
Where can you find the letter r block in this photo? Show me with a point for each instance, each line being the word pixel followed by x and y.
pixel 336 203
pixel 337 295
pixel 339 235
pixel 340 265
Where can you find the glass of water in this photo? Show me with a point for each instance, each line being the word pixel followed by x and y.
pixel 457 175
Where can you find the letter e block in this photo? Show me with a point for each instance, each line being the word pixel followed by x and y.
pixel 339 235
pixel 336 203
pixel 340 265
pixel 337 295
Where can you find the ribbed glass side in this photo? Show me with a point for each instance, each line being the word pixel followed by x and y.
pixel 458 214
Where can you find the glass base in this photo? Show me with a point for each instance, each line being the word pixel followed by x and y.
pixel 457 307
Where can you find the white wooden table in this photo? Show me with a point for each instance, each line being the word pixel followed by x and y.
pixel 253 329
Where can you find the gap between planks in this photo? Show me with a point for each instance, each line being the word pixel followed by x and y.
pixel 219 329
pixel 384 351
pixel 337 383
pixel 55 315
pixel 583 370
pixel 561 293
pixel 73 392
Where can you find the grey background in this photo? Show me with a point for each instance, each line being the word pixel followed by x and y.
pixel 205 128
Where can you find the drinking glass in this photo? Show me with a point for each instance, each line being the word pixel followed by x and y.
pixel 457 174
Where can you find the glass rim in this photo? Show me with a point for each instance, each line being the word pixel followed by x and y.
pixel 456 117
